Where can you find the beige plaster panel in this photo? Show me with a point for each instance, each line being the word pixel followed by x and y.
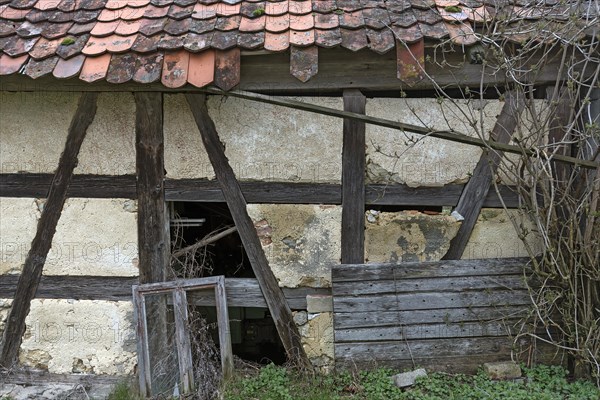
pixel 407 236
pixel 317 338
pixel 75 336
pixel 93 237
pixel 33 129
pixel 301 242
pixel 393 156
pixel 262 141
pixel 494 236
pixel 109 145
pixel 18 222
pixel 412 236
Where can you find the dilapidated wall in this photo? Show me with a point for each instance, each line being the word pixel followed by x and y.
pixel 263 142
pixel 93 237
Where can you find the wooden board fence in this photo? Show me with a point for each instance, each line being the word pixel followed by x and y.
pixel 447 315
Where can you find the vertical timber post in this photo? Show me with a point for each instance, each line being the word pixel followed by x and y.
pixel 274 297
pixel 153 241
pixel 353 181
pixel 46 227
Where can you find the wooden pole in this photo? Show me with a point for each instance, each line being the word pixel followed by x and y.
pixel 353 181
pixel 40 246
pixel 476 190
pixel 274 297
pixel 152 239
pixel 153 236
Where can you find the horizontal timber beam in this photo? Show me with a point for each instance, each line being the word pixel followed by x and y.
pixel 338 69
pixel 204 190
pixel 241 292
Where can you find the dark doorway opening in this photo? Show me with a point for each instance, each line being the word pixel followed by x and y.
pixel 253 333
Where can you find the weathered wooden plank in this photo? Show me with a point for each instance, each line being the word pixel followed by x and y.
pixel 36 377
pixel 203 190
pixel 430 300
pixel 426 331
pixel 346 320
pixel 255 192
pixel 471 200
pixel 241 292
pixel 427 348
pixel 453 284
pixel 452 364
pixel 90 186
pixel 428 269
pixel 224 331
pixel 75 287
pixel 143 352
pixel 153 245
pixel 274 297
pixel 353 181
pixel 182 341
pixel 447 195
pixel 36 258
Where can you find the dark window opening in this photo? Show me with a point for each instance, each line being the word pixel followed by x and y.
pixel 253 333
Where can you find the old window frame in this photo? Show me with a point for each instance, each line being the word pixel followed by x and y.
pixel 178 289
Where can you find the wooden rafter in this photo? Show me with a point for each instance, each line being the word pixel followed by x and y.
pixel 274 297
pixel 40 246
pixel 353 181
pixel 476 190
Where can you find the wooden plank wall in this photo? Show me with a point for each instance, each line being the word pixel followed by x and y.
pixel 447 315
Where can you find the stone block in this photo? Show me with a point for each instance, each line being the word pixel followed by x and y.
pixel 406 379
pixel 502 370
pixel 319 303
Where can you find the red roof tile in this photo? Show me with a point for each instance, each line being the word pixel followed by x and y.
pixel 177 41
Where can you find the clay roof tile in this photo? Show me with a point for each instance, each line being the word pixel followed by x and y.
pixel 148 68
pixel 68 68
pixel 38 68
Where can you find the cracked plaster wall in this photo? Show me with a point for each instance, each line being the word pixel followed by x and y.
pixel 396 157
pixel 301 242
pixel 80 336
pixel 93 236
pixel 262 142
pixel 411 236
pixel 34 143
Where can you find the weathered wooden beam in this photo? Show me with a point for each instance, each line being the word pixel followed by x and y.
pixel 203 190
pixel 36 258
pixel 280 310
pixel 353 181
pixel 240 292
pixel 476 190
pixel 153 243
pixel 338 69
